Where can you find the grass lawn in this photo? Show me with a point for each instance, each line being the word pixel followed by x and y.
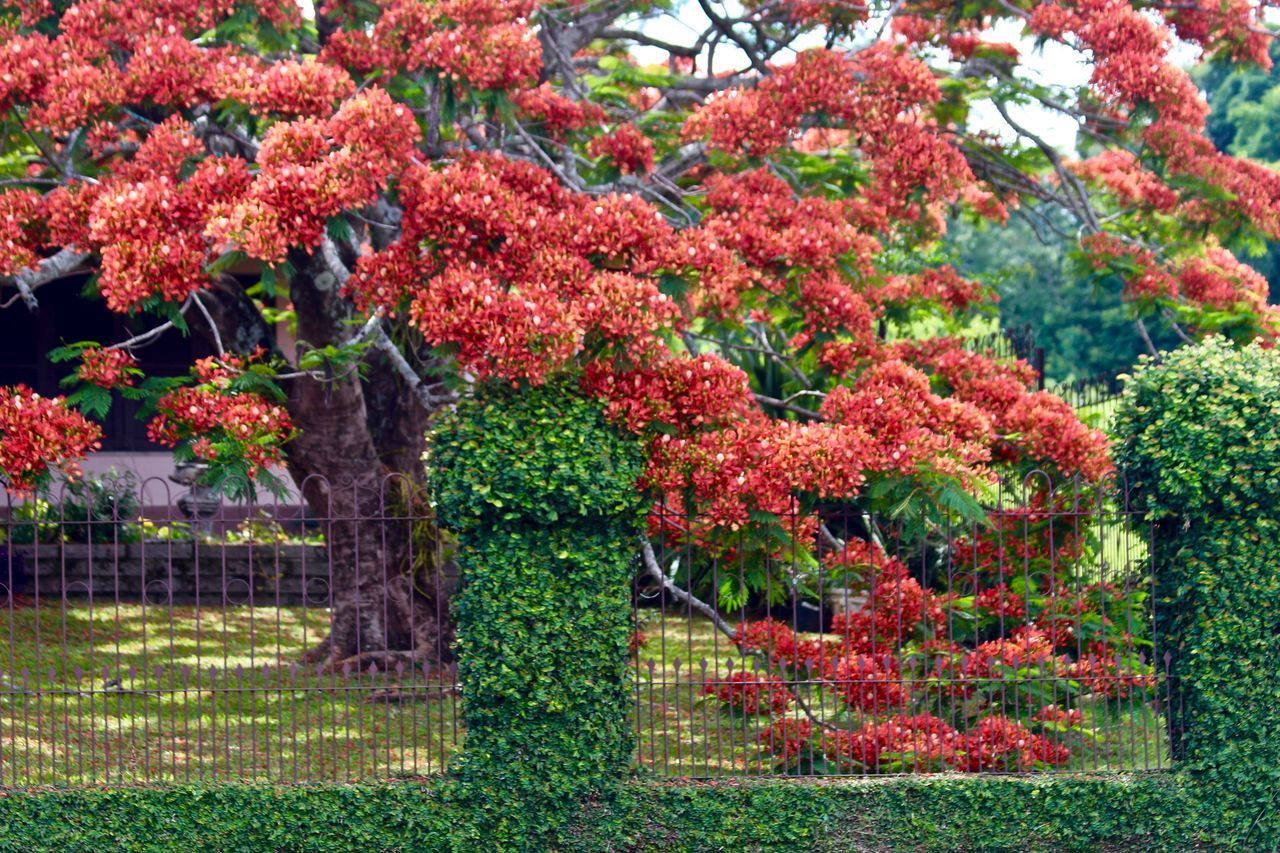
pixel 227 700
pixel 104 696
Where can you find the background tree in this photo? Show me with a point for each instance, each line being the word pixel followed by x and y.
pixel 732 247
pixel 1085 330
pixel 1244 108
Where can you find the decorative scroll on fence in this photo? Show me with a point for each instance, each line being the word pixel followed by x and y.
pixel 137 651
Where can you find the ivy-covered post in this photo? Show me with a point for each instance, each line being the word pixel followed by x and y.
pixel 542 494
pixel 1199 442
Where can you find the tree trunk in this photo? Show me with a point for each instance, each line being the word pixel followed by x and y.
pixel 389 600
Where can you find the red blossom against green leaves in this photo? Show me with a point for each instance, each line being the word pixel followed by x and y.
pixel 733 257
pixel 38 435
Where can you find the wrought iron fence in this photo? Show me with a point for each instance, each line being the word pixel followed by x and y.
pixel 1013 342
pixel 137 651
pixel 1026 644
pixel 1092 393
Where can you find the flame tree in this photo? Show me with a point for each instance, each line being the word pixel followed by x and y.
pixel 731 247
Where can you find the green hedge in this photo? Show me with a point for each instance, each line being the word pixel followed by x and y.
pixel 1156 812
pixel 543 496
pixel 1199 441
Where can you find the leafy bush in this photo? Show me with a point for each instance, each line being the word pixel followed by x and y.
pixel 1200 443
pixel 542 495
pixel 991 813
pixel 94 508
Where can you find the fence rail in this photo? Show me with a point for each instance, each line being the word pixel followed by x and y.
pixel 134 652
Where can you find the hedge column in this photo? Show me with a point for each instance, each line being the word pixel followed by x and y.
pixel 1200 445
pixel 542 493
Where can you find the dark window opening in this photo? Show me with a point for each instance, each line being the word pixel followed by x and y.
pixel 65 317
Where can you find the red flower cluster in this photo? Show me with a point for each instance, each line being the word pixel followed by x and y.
pixel 38 434
pixel 1145 277
pixel 1218 280
pixel 148 223
pixel 752 693
pixel 787 737
pixel 999 743
pixel 1100 672
pixel 870 683
pixel 1027 648
pixel 20 232
pixel 923 743
pixel 942 285
pixel 108 368
pixel 219 422
pixel 1001 603
pixel 486 44
pixel 895 607
pixel 629 149
pixel 1123 175
pixel 522 275
pixel 917 743
pixel 1072 718
pixel 908 425
pixel 1048 428
pixel 882 94
pixel 557 113
pixel 697 392
pixel 289 88
pixel 311 170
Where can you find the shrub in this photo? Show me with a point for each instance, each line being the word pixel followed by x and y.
pixel 543 496
pixel 1200 443
pixel 94 508
pixel 991 813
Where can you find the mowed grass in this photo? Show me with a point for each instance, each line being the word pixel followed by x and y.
pixel 128 693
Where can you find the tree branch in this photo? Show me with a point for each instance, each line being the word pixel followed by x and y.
pixel 65 262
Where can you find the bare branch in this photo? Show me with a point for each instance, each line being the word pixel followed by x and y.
pixel 725 26
pixel 1146 338
pixel 694 603
pixel 785 406
pixel 374 332
pixel 617 33
pixel 685 597
pixel 213 327
pixel 150 335
pixel 333 260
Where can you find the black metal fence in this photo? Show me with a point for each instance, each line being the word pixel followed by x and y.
pixel 134 652
pixel 1093 394
pixel 1013 342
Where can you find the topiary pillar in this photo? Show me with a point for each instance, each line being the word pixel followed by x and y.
pixel 543 496
pixel 1199 441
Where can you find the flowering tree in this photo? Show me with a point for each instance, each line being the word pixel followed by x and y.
pixel 731 248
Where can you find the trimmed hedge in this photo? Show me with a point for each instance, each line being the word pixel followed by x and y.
pixel 1200 445
pixel 1154 812
pixel 543 496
